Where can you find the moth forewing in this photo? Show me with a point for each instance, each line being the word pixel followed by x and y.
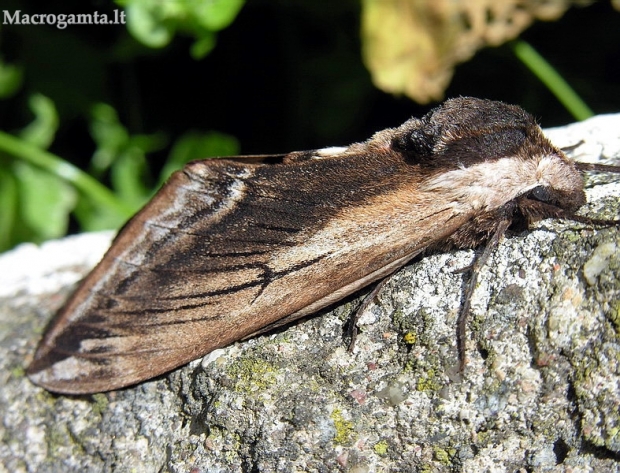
pixel 229 248
pixel 197 268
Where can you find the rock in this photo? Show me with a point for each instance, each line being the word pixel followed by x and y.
pixel 541 390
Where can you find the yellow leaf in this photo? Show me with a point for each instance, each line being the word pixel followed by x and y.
pixel 412 46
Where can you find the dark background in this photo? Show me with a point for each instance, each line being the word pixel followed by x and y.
pixel 284 75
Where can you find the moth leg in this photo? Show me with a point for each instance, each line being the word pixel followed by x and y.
pixel 480 261
pixel 464 269
pixel 371 296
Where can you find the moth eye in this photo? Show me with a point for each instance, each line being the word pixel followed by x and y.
pixel 540 193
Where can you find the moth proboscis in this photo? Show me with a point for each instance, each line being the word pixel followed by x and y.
pixel 230 248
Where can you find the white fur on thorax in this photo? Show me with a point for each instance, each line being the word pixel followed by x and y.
pixel 330 152
pixel 491 184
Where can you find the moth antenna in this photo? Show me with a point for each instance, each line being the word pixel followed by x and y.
pixel 597 167
pixel 584 167
pixel 569 148
pixel 594 221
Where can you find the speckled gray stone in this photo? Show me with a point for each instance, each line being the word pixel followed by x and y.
pixel 541 391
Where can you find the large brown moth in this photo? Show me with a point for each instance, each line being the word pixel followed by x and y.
pixel 229 248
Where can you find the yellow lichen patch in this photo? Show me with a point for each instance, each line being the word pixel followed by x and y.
pixel 444 456
pixel 381 447
pixel 615 316
pixel 252 374
pixel 100 403
pixel 344 428
pixel 428 382
pixel 410 338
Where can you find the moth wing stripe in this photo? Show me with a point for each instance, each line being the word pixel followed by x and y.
pixel 176 230
pixel 263 282
pixel 271 192
pixel 277 228
pixel 270 276
pixel 107 324
pixel 93 355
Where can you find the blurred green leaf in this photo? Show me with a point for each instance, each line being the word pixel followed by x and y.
pixel 154 22
pixel 203 46
pixel 147 22
pixel 45 201
pixel 93 218
pixel 552 79
pixel 215 15
pixel 109 135
pixel 39 190
pixel 123 155
pixel 127 176
pixel 194 145
pixel 41 131
pixel 10 79
pixel 8 204
pixel 91 188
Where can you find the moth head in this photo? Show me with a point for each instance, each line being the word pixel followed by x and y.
pixel 484 154
pixel 559 182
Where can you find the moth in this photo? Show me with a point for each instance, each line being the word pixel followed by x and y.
pixel 229 248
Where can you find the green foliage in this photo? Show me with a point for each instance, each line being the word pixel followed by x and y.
pixel 35 204
pixel 42 129
pixel 40 192
pixel 154 23
pixel 193 144
pixel 552 79
pixel 8 208
pixel 37 199
pixel 122 155
pixel 10 79
pixel 44 202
